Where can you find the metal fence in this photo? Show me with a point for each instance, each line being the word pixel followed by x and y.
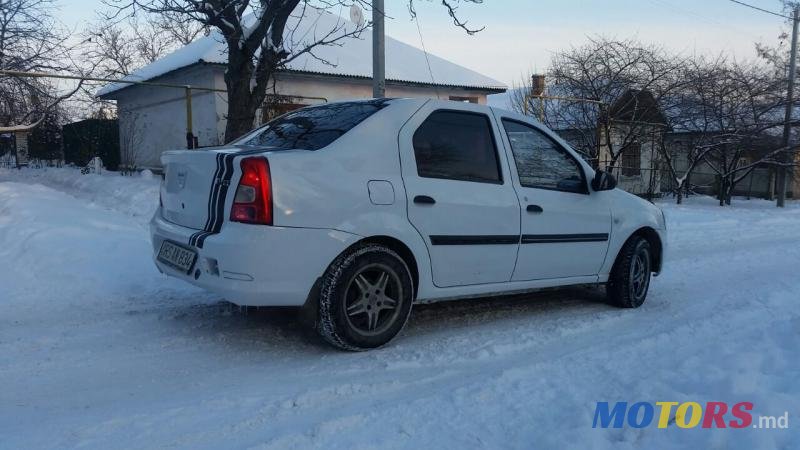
pixel 652 183
pixel 9 162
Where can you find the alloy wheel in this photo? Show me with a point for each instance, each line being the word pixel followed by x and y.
pixel 640 275
pixel 371 299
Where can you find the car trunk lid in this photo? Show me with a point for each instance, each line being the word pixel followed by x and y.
pixel 195 186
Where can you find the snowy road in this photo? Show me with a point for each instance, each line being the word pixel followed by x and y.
pixel 98 350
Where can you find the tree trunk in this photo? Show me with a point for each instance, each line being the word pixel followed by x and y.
pixel 241 107
pixel 241 116
pixel 611 166
pixel 771 184
pixel 243 101
pixel 729 186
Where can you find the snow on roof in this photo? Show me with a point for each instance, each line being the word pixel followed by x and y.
pixel 353 57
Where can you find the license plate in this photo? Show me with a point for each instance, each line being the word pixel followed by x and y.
pixel 177 256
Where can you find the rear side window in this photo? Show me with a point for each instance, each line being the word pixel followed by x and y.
pixel 457 145
pixel 314 127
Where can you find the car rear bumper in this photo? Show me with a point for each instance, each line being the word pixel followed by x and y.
pixel 254 265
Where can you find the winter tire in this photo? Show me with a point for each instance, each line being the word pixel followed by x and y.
pixel 365 298
pixel 630 278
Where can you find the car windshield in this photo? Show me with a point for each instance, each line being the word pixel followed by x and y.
pixel 314 127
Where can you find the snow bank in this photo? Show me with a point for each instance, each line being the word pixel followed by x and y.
pixel 136 196
pixel 98 350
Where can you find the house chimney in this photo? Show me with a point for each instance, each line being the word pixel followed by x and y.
pixel 537 85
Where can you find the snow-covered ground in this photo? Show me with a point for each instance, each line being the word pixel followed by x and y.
pixel 98 350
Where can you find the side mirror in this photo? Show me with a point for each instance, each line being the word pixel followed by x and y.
pixel 603 181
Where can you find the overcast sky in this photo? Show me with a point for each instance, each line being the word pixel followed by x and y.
pixel 521 35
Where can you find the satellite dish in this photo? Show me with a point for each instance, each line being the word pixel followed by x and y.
pixel 357 15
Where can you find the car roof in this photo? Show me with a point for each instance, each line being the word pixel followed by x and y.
pixel 443 103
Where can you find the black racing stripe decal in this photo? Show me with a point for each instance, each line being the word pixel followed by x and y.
pixel 212 200
pixel 214 193
pixel 219 202
pixel 198 237
pixel 217 195
pixel 214 212
pixel 475 240
pixel 563 238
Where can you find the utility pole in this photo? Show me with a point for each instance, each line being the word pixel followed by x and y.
pixel 379 50
pixel 782 178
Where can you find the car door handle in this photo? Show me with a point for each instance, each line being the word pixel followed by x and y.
pixel 424 200
pixel 535 209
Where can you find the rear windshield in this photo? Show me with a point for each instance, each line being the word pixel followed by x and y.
pixel 314 127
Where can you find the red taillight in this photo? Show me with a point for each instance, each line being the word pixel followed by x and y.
pixel 253 200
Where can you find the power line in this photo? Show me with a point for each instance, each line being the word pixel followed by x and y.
pixel 427 59
pixel 692 14
pixel 760 9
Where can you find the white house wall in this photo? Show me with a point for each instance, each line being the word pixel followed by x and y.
pixel 335 89
pixel 161 112
pixel 313 89
pixel 160 115
pixel 649 159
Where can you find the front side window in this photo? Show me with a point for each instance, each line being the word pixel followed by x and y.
pixel 314 127
pixel 541 162
pixel 457 145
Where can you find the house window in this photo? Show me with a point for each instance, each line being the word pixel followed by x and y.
pixel 742 163
pixel 632 160
pixel 6 143
pixel 457 98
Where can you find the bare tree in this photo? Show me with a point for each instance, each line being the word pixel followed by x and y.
pixel 254 36
pixel 112 50
pixel 116 49
pixel 130 143
pixel 746 106
pixel 732 111
pixel 690 112
pixel 30 40
pixel 628 77
pixel 777 56
pixel 254 33
pixel 735 110
pixel 41 109
pixel 180 30
pixel 452 9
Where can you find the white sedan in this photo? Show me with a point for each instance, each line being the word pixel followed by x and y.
pixel 356 210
